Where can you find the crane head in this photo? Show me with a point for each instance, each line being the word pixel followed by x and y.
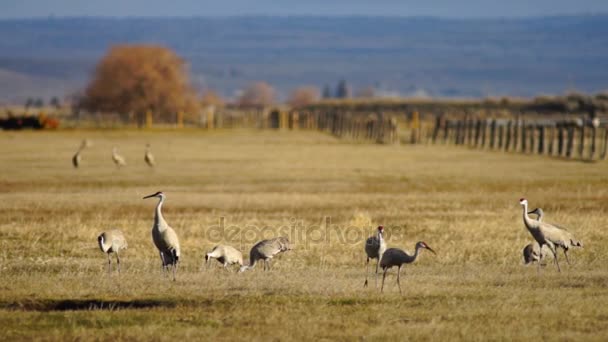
pixel 158 194
pixel 423 244
pixel 380 229
pixel 523 201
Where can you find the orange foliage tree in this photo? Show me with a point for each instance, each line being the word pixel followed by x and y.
pixel 257 94
pixel 304 95
pixel 134 79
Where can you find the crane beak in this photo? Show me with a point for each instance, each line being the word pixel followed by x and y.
pixel 149 196
pixel 430 249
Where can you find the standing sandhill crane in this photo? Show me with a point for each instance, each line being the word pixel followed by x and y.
pixel 112 241
pixel 118 159
pixel 549 235
pixel 226 255
pixel 265 250
pixel 164 237
pixel 77 158
pixel 374 248
pixel 397 257
pixel 149 157
pixel 532 252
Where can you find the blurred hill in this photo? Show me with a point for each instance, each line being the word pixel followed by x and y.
pixel 407 56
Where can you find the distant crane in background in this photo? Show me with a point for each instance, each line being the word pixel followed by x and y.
pixel 164 237
pixel 77 158
pixel 149 157
pixel 397 257
pixel 118 159
pixel 550 235
pixel 374 248
pixel 265 250
pixel 112 241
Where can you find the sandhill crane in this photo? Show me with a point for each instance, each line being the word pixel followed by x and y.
pixel 149 157
pixel 532 252
pixel 265 250
pixel 397 257
pixel 226 255
pixel 374 248
pixel 112 241
pixel 164 237
pixel 77 158
pixel 550 235
pixel 118 159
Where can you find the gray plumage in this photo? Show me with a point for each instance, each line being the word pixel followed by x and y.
pixel 164 237
pixel 265 250
pixel 118 159
pixel 112 241
pixel 549 235
pixel 77 158
pixel 533 253
pixel 149 157
pixel 397 257
pixel 374 248
pixel 225 255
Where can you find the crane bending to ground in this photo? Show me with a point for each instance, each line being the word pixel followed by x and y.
pixel 265 250
pixel 112 241
pixel 164 237
pixel 149 157
pixel 397 257
pixel 549 235
pixel 118 159
pixel 225 255
pixel 374 248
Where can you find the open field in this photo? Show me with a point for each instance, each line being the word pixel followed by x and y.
pixel 463 203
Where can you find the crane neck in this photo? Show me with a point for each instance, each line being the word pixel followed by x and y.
pixel 527 220
pixel 159 220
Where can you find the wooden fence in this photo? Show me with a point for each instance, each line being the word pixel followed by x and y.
pixel 585 139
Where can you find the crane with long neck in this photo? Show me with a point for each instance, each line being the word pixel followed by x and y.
pixel 397 257
pixel 164 237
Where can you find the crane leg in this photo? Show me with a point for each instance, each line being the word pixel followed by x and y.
pixel 566 254
pixel 109 264
pixel 555 258
pixel 377 265
pixel 366 272
pixel 398 283
pixel 268 264
pixel 118 262
pixel 162 265
pixel 383 276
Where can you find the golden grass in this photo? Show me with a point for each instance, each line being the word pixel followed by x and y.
pixel 463 203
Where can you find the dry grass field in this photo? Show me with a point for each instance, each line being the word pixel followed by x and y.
pixel 327 196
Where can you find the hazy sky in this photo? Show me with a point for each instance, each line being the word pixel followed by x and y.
pixel 442 8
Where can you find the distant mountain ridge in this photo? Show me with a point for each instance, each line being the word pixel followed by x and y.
pixel 438 57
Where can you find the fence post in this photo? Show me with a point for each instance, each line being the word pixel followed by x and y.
pixel 541 139
pixel 570 141
pixel 605 145
pixel 581 143
pixel 524 138
pixel 508 135
pixel 532 133
pixel 593 137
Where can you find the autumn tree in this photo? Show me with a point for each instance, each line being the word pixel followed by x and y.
pixel 257 94
pixel 304 95
pixel 134 79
